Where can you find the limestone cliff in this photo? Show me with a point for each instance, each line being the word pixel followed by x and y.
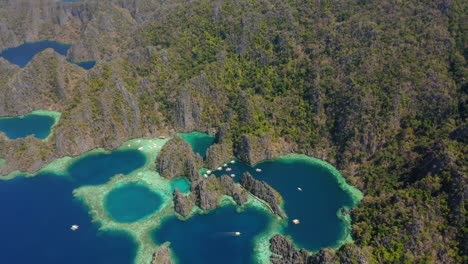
pixel 178 159
pixel 162 256
pixel 263 191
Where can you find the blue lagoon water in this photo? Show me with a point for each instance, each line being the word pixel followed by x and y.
pixel 35 226
pixel 210 239
pixel 182 183
pixel 200 142
pixel 131 202
pixel 37 214
pixel 23 54
pixel 22 126
pixel 96 169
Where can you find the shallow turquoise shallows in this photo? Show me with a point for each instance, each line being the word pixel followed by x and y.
pixel 32 124
pixel 131 202
pixel 24 53
pixel 182 183
pixel 200 142
pixel 95 169
pixel 211 239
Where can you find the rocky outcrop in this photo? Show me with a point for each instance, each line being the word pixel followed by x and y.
pixel 162 255
pixel 324 256
pixel 177 159
pixel 182 204
pixel 221 150
pixel 284 252
pixel 207 193
pixel 232 189
pixel 263 191
pixel 252 149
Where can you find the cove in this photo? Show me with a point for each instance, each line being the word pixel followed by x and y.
pixel 24 53
pixel 182 183
pixel 317 205
pixel 95 169
pixel 210 238
pixel 200 142
pixel 35 225
pixel 131 202
pixel 37 123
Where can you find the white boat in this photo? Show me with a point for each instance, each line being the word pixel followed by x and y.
pixel 225 165
pixel 258 170
pixel 140 148
pixel 296 221
pixel 233 161
pixel 208 172
pixel 228 169
pixel 74 227
pixel 220 168
pixel 237 233
pixel 233 175
pixel 299 189
pixel 204 175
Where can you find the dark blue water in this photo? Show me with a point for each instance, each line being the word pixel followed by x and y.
pixel 200 142
pixel 131 202
pixel 210 239
pixel 96 169
pixel 36 215
pixel 32 124
pixel 23 54
pixel 85 64
pixel 315 206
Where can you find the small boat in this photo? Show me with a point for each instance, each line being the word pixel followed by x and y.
pixel 233 175
pixel 233 161
pixel 296 221
pixel 225 165
pixel 140 148
pixel 204 175
pixel 237 233
pixel 258 170
pixel 208 172
pixel 74 227
pixel 220 168
pixel 299 189
pixel 228 169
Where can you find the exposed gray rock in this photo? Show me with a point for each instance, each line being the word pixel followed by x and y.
pixel 263 191
pixel 252 149
pixel 182 204
pixel 161 256
pixel 177 159
pixel 285 251
pixel 232 189
pixel 222 150
pixel 208 193
pixel 324 256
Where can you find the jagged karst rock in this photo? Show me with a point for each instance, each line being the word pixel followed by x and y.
pixel 232 189
pixel 208 193
pixel 222 150
pixel 324 256
pixel 252 149
pixel 177 159
pixel 263 191
pixel 281 246
pixel 183 204
pixel 162 256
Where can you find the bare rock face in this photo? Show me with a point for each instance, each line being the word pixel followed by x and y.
pixel 222 149
pixel 263 191
pixel 161 256
pixel 177 159
pixel 232 189
pixel 252 149
pixel 285 251
pixel 182 204
pixel 207 193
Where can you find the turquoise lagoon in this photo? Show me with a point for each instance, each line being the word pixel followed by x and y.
pixel 200 142
pixel 132 202
pixel 24 53
pixel 37 123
